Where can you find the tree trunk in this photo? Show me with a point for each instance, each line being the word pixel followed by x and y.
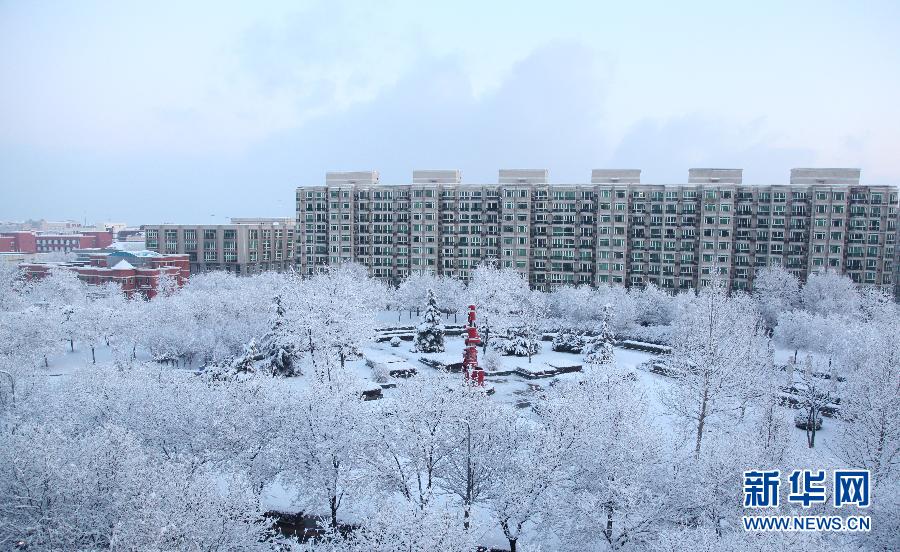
pixel 312 349
pixel 72 345
pixel 470 477
pixel 701 421
pixel 334 509
pixel 811 428
pixel 512 545
pixel 93 355
pixel 609 524
pixel 46 364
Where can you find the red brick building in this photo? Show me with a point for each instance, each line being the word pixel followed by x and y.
pixel 134 271
pixel 31 242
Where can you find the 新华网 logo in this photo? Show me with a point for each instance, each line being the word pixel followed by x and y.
pixel 807 488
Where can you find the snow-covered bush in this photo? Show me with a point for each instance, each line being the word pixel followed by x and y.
pixel 518 344
pixel 395 341
pixel 568 342
pixel 803 420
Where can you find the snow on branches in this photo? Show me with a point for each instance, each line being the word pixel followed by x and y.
pixel 430 333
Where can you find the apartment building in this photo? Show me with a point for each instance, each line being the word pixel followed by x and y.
pixel 246 246
pixel 612 230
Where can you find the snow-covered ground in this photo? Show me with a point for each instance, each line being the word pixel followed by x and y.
pixel 513 389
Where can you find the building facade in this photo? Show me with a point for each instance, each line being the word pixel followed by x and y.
pixel 136 272
pixel 36 242
pixel 246 246
pixel 614 229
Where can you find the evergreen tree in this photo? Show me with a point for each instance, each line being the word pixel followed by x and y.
pixel 246 363
pixel 277 348
pixel 522 344
pixel 430 333
pixel 568 341
pixel 599 350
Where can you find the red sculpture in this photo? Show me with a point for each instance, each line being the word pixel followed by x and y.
pixel 473 373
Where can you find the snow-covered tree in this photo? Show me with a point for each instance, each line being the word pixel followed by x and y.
pixel 532 315
pixel 336 310
pixel 166 285
pixel 476 438
pixel 413 292
pixel 529 467
pixel 430 333
pixel 523 336
pixel 389 526
pixel 11 285
pixel 410 439
pixel 711 356
pixel 321 443
pixel 654 306
pixel 776 290
pixel 111 459
pixel 599 352
pixel 496 293
pixel 620 496
pixel 815 393
pixel 28 337
pixel 829 293
pixel 57 289
pixel 870 402
pixel 278 347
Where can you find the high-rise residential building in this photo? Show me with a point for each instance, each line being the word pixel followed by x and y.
pixel 612 230
pixel 246 246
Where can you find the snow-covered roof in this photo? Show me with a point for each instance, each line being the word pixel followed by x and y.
pixel 131 247
pixel 144 253
pixel 123 265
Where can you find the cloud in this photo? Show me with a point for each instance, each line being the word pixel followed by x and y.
pixel 549 111
pixel 666 149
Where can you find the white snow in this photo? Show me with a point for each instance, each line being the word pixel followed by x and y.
pixel 123 265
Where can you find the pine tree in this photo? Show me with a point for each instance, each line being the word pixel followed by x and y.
pixel 277 347
pixel 568 341
pixel 599 350
pixel 525 344
pixel 246 363
pixel 430 333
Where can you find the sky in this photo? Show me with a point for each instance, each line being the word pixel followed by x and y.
pixel 193 112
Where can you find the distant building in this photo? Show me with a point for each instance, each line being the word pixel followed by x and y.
pixel 246 246
pixel 24 241
pixel 135 271
pixel 16 258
